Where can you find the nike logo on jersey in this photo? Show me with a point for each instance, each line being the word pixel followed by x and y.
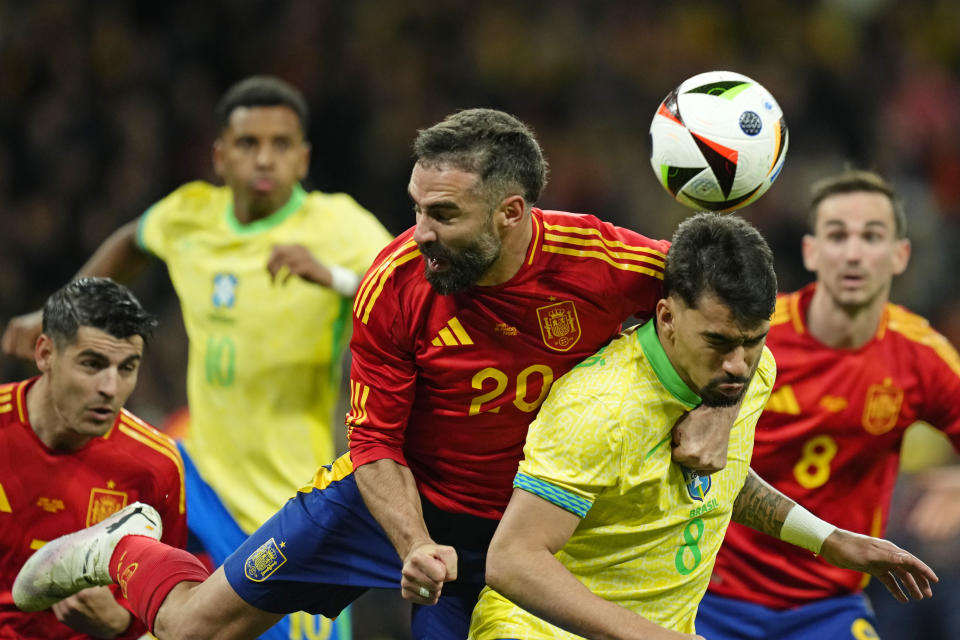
pixel 452 335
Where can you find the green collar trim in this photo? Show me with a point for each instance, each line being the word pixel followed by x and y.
pixel 668 376
pixel 295 202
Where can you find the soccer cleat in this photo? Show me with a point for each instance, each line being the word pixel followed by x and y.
pixel 80 560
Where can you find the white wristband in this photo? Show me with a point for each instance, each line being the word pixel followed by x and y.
pixel 803 529
pixel 343 281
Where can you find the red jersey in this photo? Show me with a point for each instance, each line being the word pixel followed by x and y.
pixel 830 439
pixel 447 385
pixel 45 494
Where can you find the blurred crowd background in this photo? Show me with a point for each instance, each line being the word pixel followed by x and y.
pixel 106 106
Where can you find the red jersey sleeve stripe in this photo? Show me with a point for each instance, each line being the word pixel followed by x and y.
pixel 781 313
pixel 141 437
pixel 591 231
pixel 535 241
pixel 916 329
pixel 383 280
pixel 22 401
pixel 374 275
pixel 796 316
pixel 631 253
pixel 160 438
pixel 358 403
pixel 623 266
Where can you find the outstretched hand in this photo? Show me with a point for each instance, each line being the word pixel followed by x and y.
pixel 20 336
pixel 287 260
pixel 427 566
pixel 888 563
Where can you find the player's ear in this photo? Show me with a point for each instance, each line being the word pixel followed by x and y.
pixel 43 352
pixel 511 210
pixel 901 256
pixel 808 248
pixel 218 152
pixel 665 316
pixel 304 167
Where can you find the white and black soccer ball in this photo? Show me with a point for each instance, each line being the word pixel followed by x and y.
pixel 718 141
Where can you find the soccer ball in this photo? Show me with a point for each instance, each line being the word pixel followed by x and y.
pixel 718 141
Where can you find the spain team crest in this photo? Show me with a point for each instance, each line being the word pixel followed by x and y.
pixel 882 407
pixel 103 504
pixel 698 486
pixel 263 563
pixel 559 325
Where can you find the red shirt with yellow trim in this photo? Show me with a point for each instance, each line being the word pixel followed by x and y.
pixel 830 439
pixel 45 494
pixel 447 385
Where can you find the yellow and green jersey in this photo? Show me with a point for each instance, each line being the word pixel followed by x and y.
pixel 264 357
pixel 600 448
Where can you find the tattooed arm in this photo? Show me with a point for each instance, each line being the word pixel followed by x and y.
pixel 762 507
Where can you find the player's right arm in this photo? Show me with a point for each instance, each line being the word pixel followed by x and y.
pixel 391 496
pixel 522 565
pixel 119 257
pixel 383 376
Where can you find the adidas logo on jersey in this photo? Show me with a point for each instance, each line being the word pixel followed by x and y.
pixel 452 335
pixel 783 400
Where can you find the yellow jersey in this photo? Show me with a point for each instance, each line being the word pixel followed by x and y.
pixel 264 358
pixel 600 448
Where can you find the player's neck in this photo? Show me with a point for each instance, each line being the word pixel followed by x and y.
pixel 247 211
pixel 839 327
pixel 47 423
pixel 513 252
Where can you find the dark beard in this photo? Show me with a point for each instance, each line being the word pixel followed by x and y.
pixel 719 400
pixel 466 266
pixel 716 399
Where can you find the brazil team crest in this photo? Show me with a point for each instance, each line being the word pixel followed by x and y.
pixel 698 486
pixel 559 325
pixel 882 407
pixel 224 290
pixel 103 504
pixel 262 563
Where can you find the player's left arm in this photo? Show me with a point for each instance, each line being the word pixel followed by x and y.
pixel 521 566
pixel 761 507
pixel 701 437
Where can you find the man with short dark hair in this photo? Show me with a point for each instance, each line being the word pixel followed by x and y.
pixel 70 455
pixel 263 367
pixel 460 328
pixel 605 536
pixel 854 371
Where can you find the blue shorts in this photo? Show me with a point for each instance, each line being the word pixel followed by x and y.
pixel 214 528
pixel 844 617
pixel 323 549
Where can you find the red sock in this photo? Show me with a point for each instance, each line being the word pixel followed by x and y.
pixel 147 570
